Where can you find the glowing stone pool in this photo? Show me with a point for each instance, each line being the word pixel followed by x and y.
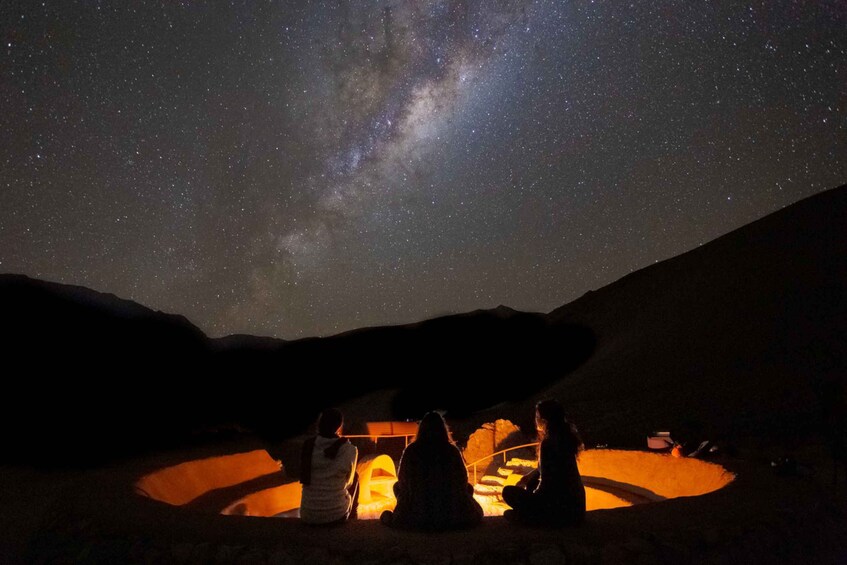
pixel 253 484
pixel 616 478
pixel 636 476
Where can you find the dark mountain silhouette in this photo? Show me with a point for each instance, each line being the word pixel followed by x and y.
pixel 93 376
pixel 238 341
pixel 744 337
pixel 741 337
pixel 435 363
pixel 87 372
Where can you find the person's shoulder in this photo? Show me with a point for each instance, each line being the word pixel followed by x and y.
pixel 453 448
pixel 411 451
pixel 350 448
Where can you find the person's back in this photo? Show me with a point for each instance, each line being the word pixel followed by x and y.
pixel 560 483
pixel 328 474
pixel 432 489
pixel 558 497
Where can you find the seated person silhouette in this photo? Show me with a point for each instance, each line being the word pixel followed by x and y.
pixel 432 488
pixel 554 494
pixel 328 473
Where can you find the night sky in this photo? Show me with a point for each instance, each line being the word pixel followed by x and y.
pixel 304 168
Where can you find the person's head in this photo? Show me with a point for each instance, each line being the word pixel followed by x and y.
pixel 549 417
pixel 330 422
pixel 551 423
pixel 432 430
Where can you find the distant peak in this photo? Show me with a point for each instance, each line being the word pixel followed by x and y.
pixel 504 310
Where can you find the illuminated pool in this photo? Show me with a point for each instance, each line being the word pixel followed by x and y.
pixel 253 484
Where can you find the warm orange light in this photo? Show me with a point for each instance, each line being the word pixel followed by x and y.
pixel 268 502
pixel 180 484
pixel 653 476
pixel 615 479
pixel 377 476
pixel 612 479
pixel 391 428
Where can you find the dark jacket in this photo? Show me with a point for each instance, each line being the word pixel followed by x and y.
pixel 559 480
pixel 432 489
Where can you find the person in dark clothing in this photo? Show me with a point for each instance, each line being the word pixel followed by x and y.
pixel 432 487
pixel 554 496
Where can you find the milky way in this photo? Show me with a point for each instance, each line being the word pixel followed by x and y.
pixel 305 168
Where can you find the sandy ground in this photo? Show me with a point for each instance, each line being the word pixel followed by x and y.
pixel 93 516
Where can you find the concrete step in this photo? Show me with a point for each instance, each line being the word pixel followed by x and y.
pixel 487 490
pixel 518 463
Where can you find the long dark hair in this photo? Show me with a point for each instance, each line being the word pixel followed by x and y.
pixel 556 426
pixel 433 431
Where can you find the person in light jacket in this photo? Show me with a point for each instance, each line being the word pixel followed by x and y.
pixel 328 473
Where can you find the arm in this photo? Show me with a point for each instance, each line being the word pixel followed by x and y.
pixel 350 455
pixel 543 464
pixel 458 471
pixel 529 481
pixel 404 473
pixel 306 461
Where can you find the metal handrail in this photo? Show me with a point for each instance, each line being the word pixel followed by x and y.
pixel 473 464
pixel 375 437
pixel 495 454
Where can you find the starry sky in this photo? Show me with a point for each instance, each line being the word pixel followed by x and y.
pixel 304 168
